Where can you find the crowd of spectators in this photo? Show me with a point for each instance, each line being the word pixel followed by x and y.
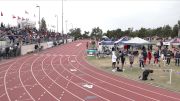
pixel 15 37
pixel 146 57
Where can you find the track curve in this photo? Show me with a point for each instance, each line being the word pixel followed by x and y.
pixel 63 74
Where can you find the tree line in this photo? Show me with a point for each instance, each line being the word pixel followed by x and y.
pixel 164 31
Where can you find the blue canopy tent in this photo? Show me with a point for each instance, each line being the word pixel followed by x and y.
pixel 107 42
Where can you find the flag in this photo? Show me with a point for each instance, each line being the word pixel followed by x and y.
pixel 13 16
pixel 19 18
pixel 23 18
pixel 26 12
pixel 1 14
pixel 52 26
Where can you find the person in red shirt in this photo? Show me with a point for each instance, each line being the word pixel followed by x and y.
pixel 149 56
pixel 87 45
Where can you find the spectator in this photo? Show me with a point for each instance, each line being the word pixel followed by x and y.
pixel 168 57
pixel 144 55
pixel 7 52
pixel 141 60
pixel 155 57
pixel 177 58
pixel 122 57
pixel 131 59
pixel 164 51
pixel 118 56
pixel 87 45
pixel 114 61
pixel 149 56
pixel 161 44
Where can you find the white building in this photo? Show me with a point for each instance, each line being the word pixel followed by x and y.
pixel 26 24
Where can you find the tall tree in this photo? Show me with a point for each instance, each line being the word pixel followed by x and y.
pixel 43 26
pixel 118 33
pixel 76 33
pixel 158 31
pixel 179 23
pixel 97 33
pixel 175 31
pixel 86 34
pixel 179 28
pixel 142 32
pixel 167 31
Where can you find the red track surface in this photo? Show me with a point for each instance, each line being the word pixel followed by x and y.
pixel 58 74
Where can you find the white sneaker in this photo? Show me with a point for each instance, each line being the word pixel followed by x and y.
pixel 114 70
pixel 143 68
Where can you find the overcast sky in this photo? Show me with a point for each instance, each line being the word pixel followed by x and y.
pixel 87 14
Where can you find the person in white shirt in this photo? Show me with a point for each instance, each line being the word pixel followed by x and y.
pixel 114 61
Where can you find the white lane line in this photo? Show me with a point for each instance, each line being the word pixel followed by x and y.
pixel 39 82
pixel 2 95
pixel 78 85
pixel 73 70
pixel 3 71
pixel 5 86
pixel 73 61
pixel 24 100
pixel 14 87
pixel 22 82
pixel 126 82
pixel 5 82
pixel 113 85
pixel 68 82
pixel 97 85
pixel 60 85
pixel 78 44
pixel 34 70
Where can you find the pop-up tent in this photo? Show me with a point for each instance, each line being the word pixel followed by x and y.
pixel 105 38
pixel 137 41
pixel 167 43
pixel 107 42
pixel 176 41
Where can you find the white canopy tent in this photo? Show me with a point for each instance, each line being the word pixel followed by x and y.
pixel 105 37
pixel 137 41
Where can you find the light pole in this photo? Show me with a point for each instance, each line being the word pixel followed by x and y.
pixel 57 22
pixel 66 26
pixel 62 17
pixel 39 16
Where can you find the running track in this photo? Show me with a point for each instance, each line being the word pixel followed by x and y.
pixel 63 74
